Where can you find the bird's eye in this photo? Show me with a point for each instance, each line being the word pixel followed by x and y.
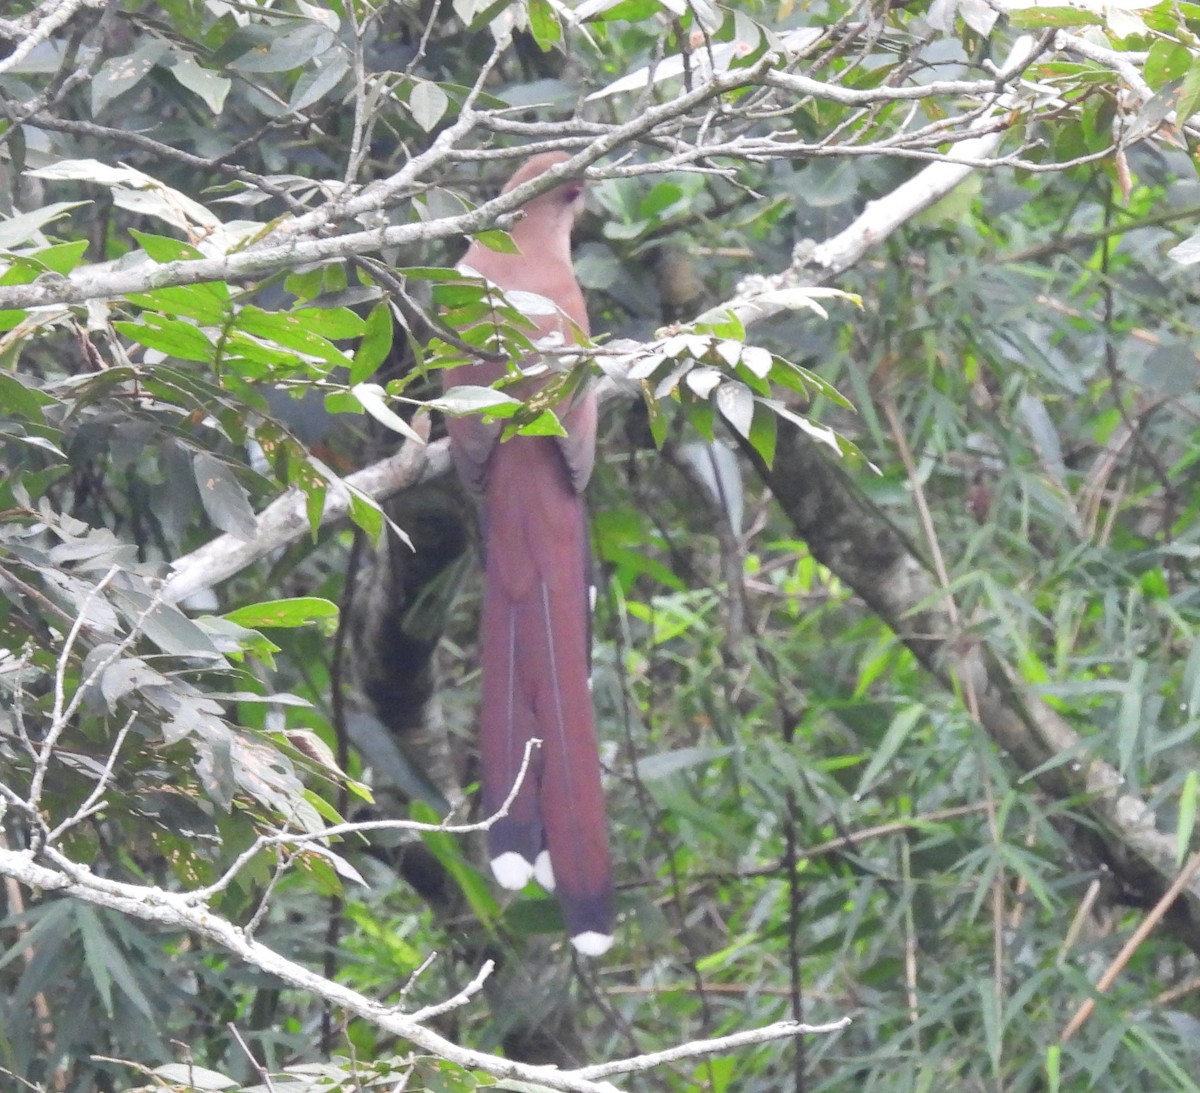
pixel 571 192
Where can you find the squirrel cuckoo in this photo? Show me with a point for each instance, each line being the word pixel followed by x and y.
pixel 535 632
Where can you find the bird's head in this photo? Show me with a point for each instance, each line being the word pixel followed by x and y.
pixel 550 215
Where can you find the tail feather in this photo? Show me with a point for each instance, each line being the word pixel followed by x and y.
pixel 536 636
pixel 506 727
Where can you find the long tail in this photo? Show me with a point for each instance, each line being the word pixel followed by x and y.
pixel 535 660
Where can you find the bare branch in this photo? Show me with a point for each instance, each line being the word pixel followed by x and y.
pixel 298 838
pixel 63 710
pixel 460 999
pixel 285 520
pixel 778 1031
pixel 35 27
pixel 174 910
pixel 94 802
pixel 291 245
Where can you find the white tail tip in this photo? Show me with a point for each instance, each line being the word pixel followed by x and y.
pixel 543 871
pixel 591 943
pixel 511 870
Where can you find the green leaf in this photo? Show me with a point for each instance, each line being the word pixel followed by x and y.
pixel 700 416
pixel 16 397
pixel 374 401
pixel 18 229
pixel 457 293
pixel 631 11
pixel 367 514
pixel 1030 18
pixel 188 1076
pixel 314 502
pixel 1189 92
pixel 316 82
pixel 224 498
pixel 1053 1068
pixel 721 322
pixel 201 81
pixel 993 1020
pixel 736 403
pixel 288 329
pixel 764 432
pixel 378 332
pixel 1165 63
pixel 497 240
pixel 62 257
pixel 438 273
pixel 428 103
pixel 545 424
pixel 278 614
pixel 334 323
pixel 342 402
pixel 665 763
pixel 902 725
pixel 162 248
pixel 1186 824
pixel 287 51
pixel 115 963
pixel 544 25
pixel 662 197
pixel 206 303
pixel 96 955
pixel 467 399
pixel 174 337
pixel 120 74
pixel 1129 718
pixel 327 279
pixel 21 270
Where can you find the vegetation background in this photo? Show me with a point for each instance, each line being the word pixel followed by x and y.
pixel 898 686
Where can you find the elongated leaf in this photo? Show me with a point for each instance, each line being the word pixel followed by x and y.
pixel 175 337
pixel 289 329
pixel 298 611
pixel 189 1076
pixel 428 103
pixel 467 399
pixel 898 731
pixel 374 401
pixel 736 403
pixel 1185 826
pixel 21 228
pixel 378 332
pixel 223 496
pixel 666 763
pixel 204 82
pixel 1129 718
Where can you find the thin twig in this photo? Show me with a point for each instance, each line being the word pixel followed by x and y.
pixel 173 909
pixel 1152 919
pixel 299 838
pixel 460 999
pixel 778 1031
pixel 261 1070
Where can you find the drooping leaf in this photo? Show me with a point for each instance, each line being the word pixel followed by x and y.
pixel 225 499
pixel 297 611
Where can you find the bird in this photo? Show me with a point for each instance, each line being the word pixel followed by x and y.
pixel 535 629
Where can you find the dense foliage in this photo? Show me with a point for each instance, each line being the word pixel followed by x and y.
pixel 896 520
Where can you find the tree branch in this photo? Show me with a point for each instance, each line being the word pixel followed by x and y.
pixel 285 520
pixel 173 910
pixel 292 245
pixel 846 533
